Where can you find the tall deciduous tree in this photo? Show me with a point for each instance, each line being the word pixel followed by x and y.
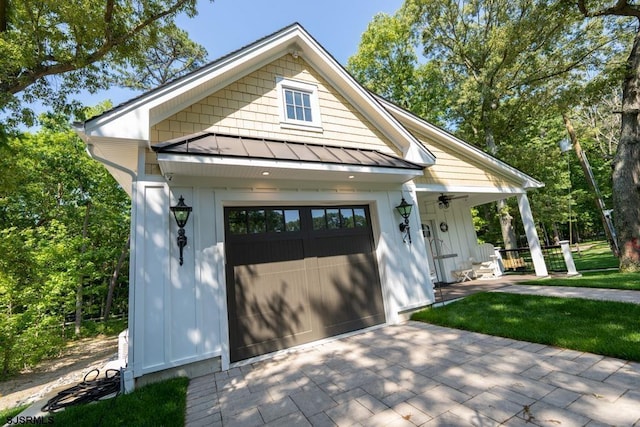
pixel 387 63
pixel 505 62
pixel 50 49
pixel 626 163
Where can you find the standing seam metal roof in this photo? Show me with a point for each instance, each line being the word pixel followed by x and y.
pixel 217 145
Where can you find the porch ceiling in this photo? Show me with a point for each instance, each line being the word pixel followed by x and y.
pixel 470 197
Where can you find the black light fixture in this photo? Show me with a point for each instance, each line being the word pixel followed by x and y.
pixel 404 209
pixel 181 213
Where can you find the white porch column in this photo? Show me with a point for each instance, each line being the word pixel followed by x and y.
pixel 532 236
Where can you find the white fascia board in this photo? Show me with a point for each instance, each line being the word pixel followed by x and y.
pixel 134 118
pixel 131 121
pixel 143 111
pixel 467 149
pixel 362 99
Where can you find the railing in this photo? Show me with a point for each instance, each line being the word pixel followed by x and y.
pixel 519 260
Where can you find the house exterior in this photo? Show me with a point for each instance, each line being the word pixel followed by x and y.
pixel 293 172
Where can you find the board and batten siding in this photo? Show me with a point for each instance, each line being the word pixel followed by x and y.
pixel 250 107
pixel 177 308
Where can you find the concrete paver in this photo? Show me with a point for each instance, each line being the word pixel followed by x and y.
pixel 509 383
pixel 418 374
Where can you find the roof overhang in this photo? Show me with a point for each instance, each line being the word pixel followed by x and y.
pixel 224 156
pixel 251 169
pixel 135 118
pixel 461 147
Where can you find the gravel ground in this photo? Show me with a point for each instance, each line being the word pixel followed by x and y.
pixel 77 359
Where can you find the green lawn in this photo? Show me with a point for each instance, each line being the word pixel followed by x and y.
pixel 603 279
pixel 599 256
pixel 159 404
pixel 607 328
pixel 7 414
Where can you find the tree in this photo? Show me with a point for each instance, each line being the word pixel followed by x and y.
pixel 387 64
pixel 53 251
pixel 50 49
pixel 626 163
pixel 504 63
pixel 173 55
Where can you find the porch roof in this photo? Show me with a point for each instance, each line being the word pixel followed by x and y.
pixel 210 154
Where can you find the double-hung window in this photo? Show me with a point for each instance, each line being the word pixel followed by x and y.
pixel 298 105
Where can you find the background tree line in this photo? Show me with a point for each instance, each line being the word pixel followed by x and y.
pixel 512 77
pixel 64 221
pixel 63 224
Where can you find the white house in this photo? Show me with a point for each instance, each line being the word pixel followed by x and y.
pixel 293 172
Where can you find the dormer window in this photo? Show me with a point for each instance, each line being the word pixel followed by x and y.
pixel 298 105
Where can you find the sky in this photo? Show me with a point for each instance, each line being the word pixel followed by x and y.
pixel 224 26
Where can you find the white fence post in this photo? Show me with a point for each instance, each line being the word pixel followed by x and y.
pixel 568 258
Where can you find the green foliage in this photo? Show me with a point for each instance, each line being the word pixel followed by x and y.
pixel 159 404
pixel 500 74
pixel 601 327
pixel 387 64
pixel 52 49
pixel 93 328
pixel 48 186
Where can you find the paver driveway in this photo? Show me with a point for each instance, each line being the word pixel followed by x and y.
pixel 420 374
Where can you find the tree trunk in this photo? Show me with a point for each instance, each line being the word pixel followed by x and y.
pixel 506 220
pixel 83 248
pixel 626 167
pixel 4 12
pixel 114 277
pixel 588 174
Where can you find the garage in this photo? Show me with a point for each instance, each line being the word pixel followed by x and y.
pixel 298 274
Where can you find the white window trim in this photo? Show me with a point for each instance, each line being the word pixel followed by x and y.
pixel 285 122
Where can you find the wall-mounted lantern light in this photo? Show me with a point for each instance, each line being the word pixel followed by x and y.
pixel 404 209
pixel 181 213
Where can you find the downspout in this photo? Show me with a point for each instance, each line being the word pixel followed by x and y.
pixel 128 381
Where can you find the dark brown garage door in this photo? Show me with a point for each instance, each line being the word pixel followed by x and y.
pixel 298 274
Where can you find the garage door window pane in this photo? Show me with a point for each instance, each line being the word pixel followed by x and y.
pixel 257 222
pixel 238 221
pixel 360 219
pixel 292 220
pixel 319 219
pixel 333 219
pixel 346 216
pixel 275 221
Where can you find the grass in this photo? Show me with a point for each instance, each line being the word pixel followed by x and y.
pixel 606 328
pixel 7 414
pixel 159 404
pixel 603 279
pixel 599 256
